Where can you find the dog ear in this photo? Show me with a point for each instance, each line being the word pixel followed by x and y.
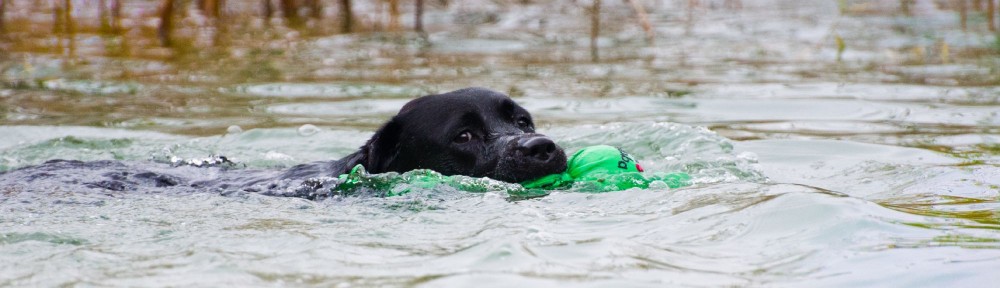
pixel 382 148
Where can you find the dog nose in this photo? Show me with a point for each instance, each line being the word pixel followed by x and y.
pixel 538 147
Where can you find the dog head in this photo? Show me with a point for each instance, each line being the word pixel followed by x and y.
pixel 474 131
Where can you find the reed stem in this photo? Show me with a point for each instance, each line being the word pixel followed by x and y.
pixel 595 29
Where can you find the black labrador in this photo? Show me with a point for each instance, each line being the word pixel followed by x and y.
pixel 474 132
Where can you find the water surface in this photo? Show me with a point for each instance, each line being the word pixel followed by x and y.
pixel 874 165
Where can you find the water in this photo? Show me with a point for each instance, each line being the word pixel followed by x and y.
pixel 879 169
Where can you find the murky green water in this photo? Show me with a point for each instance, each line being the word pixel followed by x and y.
pixel 880 169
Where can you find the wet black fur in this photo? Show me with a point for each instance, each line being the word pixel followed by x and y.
pixel 421 137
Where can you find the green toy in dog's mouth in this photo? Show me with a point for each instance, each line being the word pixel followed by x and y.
pixel 599 168
pixel 604 168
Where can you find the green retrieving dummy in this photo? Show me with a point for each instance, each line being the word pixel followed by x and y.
pixel 604 168
pixel 598 168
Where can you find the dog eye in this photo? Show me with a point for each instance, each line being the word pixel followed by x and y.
pixel 463 137
pixel 523 122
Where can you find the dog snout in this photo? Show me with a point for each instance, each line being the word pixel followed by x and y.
pixel 540 148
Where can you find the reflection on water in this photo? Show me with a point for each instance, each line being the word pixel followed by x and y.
pixel 832 143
